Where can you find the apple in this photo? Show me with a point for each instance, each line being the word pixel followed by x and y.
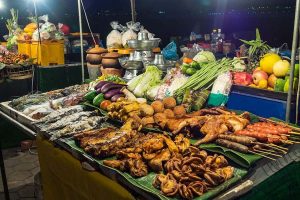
pixel 259 75
pixel 281 68
pixel 272 80
pixel 256 69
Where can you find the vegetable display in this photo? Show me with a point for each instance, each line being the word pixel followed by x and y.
pixel 142 83
pixel 204 77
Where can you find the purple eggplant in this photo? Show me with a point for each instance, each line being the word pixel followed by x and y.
pixel 98 91
pixel 107 87
pixel 112 93
pixel 100 84
pixel 106 84
pixel 116 97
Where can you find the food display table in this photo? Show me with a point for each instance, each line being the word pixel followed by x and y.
pixel 65 174
pixel 63 177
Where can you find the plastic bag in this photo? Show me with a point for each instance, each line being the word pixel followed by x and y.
pixel 114 38
pixel 130 34
pixel 143 30
pixel 221 89
pixel 47 26
pixel 170 51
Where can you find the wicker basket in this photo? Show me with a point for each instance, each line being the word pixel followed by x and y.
pixel 18 72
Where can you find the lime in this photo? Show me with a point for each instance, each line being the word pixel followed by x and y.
pixel 195 65
pixel 191 71
pixel 184 67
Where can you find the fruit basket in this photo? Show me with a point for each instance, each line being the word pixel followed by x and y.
pixel 19 72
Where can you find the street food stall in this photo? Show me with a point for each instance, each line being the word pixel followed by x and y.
pixel 151 125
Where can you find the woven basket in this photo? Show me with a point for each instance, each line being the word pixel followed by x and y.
pixel 18 72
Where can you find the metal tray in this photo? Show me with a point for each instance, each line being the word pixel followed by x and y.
pixel 16 115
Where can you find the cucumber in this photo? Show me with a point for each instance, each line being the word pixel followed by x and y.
pixel 89 96
pixel 98 99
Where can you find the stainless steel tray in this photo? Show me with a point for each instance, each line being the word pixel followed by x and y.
pixel 16 115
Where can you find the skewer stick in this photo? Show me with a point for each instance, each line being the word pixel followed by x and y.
pixel 268 150
pixel 294 133
pixel 294 138
pixel 279 147
pixel 275 147
pixel 293 142
pixel 273 154
pixel 286 142
pixel 287 135
pixel 262 155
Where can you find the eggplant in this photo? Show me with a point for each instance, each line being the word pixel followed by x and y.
pixel 108 83
pixel 98 91
pixel 116 97
pixel 112 93
pixel 108 87
pixel 100 84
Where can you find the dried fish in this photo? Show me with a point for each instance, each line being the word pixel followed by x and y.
pixel 87 124
pixel 56 115
pixel 66 120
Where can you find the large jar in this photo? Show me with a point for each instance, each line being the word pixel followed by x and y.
pixel 94 55
pixel 110 60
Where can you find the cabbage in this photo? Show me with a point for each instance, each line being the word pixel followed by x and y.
pixel 204 57
pixel 134 82
pixel 152 92
pixel 150 78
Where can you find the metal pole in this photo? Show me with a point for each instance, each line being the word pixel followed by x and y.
pixel 133 13
pixel 81 40
pixel 3 174
pixel 298 91
pixel 294 49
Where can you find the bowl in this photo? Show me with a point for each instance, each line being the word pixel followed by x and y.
pixel 130 64
pixel 144 44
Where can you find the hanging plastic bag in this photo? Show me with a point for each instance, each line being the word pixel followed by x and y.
pixel 114 38
pixel 47 26
pixel 170 51
pixel 143 30
pixel 130 34
pixel 221 89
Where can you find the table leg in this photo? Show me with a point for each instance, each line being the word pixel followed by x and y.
pixel 3 174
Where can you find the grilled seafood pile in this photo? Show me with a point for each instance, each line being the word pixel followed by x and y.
pixel 192 173
pixel 67 122
pixel 107 141
pixel 38 106
pixel 148 152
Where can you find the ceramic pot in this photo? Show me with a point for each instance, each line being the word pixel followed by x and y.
pixel 94 55
pixel 110 60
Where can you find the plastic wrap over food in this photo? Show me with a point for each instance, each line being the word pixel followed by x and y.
pixel 222 84
pixel 130 34
pixel 114 38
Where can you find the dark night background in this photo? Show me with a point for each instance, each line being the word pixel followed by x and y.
pixel 168 18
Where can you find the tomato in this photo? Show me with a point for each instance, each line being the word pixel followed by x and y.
pixel 104 104
pixel 187 60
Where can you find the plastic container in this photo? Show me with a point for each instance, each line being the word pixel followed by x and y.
pixel 94 71
pixel 24 47
pixel 48 52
